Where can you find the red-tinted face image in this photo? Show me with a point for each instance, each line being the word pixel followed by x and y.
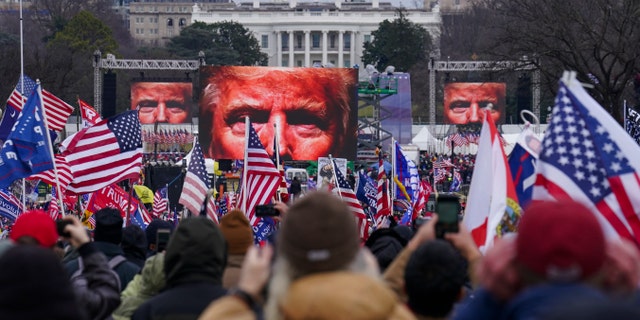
pixel 464 102
pixel 164 102
pixel 311 109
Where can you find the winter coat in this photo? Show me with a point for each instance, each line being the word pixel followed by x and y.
pixel 143 287
pixel 126 270
pixel 231 274
pixel 194 262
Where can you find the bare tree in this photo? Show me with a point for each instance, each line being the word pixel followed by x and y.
pixel 599 39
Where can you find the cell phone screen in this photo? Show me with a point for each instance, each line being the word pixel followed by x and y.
pixel 447 211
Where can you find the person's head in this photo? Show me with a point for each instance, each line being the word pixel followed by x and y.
pixel 311 106
pixel 559 242
pixel 134 241
pixel 386 243
pixel 436 273
pixel 162 101
pixel 196 252
pixel 152 233
pixel 108 226
pixel 465 102
pixel 318 235
pixel 35 286
pixel 34 227
pixel 237 231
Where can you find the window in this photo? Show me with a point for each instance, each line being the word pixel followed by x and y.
pixel 182 22
pixel 367 38
pixel 285 62
pixel 332 41
pixel 170 22
pixel 315 40
pixel 299 41
pixel 347 41
pixel 299 63
pixel 265 41
pixel 285 41
pixel 347 63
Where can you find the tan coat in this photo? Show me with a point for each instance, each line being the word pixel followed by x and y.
pixel 231 274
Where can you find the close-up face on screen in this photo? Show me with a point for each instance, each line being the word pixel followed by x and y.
pixel 465 102
pixel 313 111
pixel 162 102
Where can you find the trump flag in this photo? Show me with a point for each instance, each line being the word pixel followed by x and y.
pixel 588 157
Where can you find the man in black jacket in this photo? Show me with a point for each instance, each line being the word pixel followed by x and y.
pixel 194 263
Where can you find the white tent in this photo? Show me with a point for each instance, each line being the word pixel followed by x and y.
pixel 425 140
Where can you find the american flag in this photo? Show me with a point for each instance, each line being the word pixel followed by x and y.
pixel 57 111
pixel 64 174
pixel 54 208
pixel 263 178
pixel 588 157
pixel 212 210
pixel 160 202
pixel 344 191
pixel 444 163
pixel 196 182
pixel 106 153
pixel 383 209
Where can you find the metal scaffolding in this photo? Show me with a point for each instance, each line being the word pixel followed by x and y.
pixel 370 94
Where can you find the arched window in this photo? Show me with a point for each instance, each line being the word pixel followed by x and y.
pixel 170 22
pixel 182 22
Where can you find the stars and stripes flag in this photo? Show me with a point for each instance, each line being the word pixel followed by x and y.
pixel 344 191
pixel 196 182
pixel 212 209
pixel 27 149
pixel 632 123
pixel 54 208
pixel 588 157
pixel 383 207
pixel 262 176
pixel 57 111
pixel 160 202
pixel 492 199
pixel 64 174
pixel 89 115
pixel 107 152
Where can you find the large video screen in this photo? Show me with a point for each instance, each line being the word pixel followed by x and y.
pixel 315 110
pixel 464 102
pixel 162 102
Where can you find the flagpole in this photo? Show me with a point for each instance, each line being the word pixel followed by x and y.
pixel 335 175
pixel 22 91
pixel 393 168
pixel 625 115
pixel 53 159
pixel 276 149
pixel 247 123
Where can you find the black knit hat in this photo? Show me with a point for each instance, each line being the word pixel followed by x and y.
pixel 319 234
pixel 108 226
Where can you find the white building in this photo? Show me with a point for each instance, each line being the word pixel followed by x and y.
pixel 303 34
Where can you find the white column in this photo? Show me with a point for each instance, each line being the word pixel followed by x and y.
pixel 307 47
pixel 352 49
pixel 278 48
pixel 291 61
pixel 340 48
pixel 324 47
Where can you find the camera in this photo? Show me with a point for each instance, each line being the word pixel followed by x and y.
pixel 162 239
pixel 60 225
pixel 266 210
pixel 448 209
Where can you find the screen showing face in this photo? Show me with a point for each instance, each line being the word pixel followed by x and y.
pixel 465 102
pixel 162 102
pixel 313 111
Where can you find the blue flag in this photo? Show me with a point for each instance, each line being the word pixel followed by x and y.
pixel 10 206
pixel 407 174
pixel 136 219
pixel 14 105
pixel 522 163
pixel 366 192
pixel 28 149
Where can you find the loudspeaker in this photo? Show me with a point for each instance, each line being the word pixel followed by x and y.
pixel 224 165
pixel 109 94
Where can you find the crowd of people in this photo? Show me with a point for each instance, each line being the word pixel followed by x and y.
pixel 315 266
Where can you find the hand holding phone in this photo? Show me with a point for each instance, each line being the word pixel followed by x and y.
pixel 61 225
pixel 267 210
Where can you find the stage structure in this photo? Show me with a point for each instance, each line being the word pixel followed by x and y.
pixel 452 66
pixel 111 63
pixel 370 94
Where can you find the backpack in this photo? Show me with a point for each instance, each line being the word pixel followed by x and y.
pixel 78 279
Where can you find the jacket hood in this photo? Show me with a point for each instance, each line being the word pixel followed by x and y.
pixel 196 252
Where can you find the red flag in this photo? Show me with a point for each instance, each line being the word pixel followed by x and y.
pixel 423 197
pixel 106 153
pixel 344 191
pixel 89 115
pixel 262 176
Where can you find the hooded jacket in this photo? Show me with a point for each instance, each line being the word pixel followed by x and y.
pixel 143 287
pixel 193 265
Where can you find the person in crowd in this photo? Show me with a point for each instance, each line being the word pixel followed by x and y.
pixel 465 102
pixel 134 244
pixel 144 286
pixel 107 238
pixel 295 189
pixel 237 230
pixel 558 257
pixel 168 102
pixel 96 295
pixel 314 109
pixel 320 271
pixel 387 243
pixel 152 232
pixel 193 266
